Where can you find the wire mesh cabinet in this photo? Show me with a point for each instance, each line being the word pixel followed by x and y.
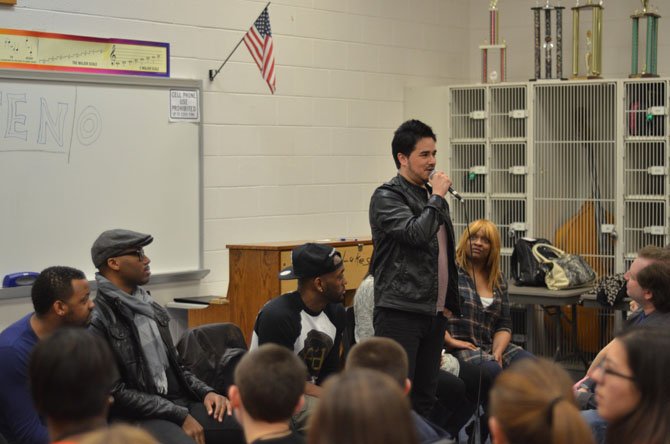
pixel 583 164
pixel 575 152
pixel 488 158
pixel 645 166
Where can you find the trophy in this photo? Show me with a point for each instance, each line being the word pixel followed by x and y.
pixel 494 76
pixel 651 42
pixel 548 46
pixel 593 40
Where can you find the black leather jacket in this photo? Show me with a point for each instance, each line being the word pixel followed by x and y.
pixel 135 394
pixel 404 222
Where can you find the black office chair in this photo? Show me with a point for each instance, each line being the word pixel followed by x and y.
pixel 211 352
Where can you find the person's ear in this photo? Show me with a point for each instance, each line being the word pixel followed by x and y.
pixel 113 263
pixel 60 307
pixel 408 386
pixel 318 284
pixel 234 396
pixel 402 159
pixel 647 295
pixel 497 434
pixel 299 405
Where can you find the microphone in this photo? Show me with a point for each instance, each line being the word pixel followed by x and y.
pixel 450 190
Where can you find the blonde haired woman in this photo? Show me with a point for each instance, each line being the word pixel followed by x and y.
pixel 483 333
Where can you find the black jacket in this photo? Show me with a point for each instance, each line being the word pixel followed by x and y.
pixel 135 394
pixel 404 222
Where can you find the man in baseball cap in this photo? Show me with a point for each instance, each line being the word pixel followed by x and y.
pixel 154 390
pixel 310 320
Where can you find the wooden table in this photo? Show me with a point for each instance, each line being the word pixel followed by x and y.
pixel 254 280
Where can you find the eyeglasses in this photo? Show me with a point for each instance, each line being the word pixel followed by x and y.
pixel 139 252
pixel 609 371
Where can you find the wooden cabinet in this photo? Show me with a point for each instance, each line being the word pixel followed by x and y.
pixel 254 279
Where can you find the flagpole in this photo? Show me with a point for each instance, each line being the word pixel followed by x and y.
pixel 214 72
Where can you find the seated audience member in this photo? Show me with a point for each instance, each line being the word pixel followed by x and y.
pixel 268 390
pixel 633 390
pixel 648 285
pixel 532 403
pixel 71 377
pixel 61 297
pixel 483 333
pixel 310 320
pixel 457 391
pixel 388 357
pixel 362 407
pixel 118 434
pixel 363 306
pixel 154 390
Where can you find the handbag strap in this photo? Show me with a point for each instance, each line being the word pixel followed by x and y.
pixel 543 259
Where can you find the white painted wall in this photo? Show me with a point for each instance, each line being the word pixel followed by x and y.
pixel 300 164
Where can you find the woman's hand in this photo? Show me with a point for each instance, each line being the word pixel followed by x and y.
pixel 461 345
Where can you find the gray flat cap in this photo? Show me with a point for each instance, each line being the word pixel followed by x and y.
pixel 113 242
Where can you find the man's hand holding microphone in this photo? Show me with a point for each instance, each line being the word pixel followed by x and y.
pixel 441 184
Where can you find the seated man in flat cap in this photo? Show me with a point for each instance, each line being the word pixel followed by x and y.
pixel 154 390
pixel 310 320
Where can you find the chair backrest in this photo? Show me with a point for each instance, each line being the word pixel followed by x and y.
pixel 212 352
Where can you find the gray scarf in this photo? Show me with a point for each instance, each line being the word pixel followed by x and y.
pixel 150 339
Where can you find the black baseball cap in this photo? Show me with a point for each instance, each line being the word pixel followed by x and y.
pixel 311 260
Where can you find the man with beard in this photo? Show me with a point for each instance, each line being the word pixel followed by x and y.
pixel 310 320
pixel 154 390
pixel 61 297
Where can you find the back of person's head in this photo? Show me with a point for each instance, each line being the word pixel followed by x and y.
pixel 71 375
pixel 655 278
pixel 362 406
pixel 53 284
pixel 490 231
pixel 270 381
pixel 532 403
pixel 655 253
pixel 118 434
pixel 382 354
pixel 649 362
pixel 406 137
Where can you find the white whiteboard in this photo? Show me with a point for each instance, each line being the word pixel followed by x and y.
pixel 80 154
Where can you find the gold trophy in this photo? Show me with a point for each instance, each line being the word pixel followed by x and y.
pixel 593 39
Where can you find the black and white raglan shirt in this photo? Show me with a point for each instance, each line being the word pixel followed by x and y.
pixel 314 337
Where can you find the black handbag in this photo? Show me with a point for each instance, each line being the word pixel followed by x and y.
pixel 526 270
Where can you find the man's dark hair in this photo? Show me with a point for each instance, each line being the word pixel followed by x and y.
pixel 655 278
pixel 71 375
pixel 53 284
pixel 271 380
pixel 382 354
pixel 406 137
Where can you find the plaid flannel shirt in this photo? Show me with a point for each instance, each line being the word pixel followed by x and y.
pixel 478 324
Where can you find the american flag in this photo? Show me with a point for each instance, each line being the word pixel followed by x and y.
pixel 259 41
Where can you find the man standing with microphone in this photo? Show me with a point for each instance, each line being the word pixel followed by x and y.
pixel 415 276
